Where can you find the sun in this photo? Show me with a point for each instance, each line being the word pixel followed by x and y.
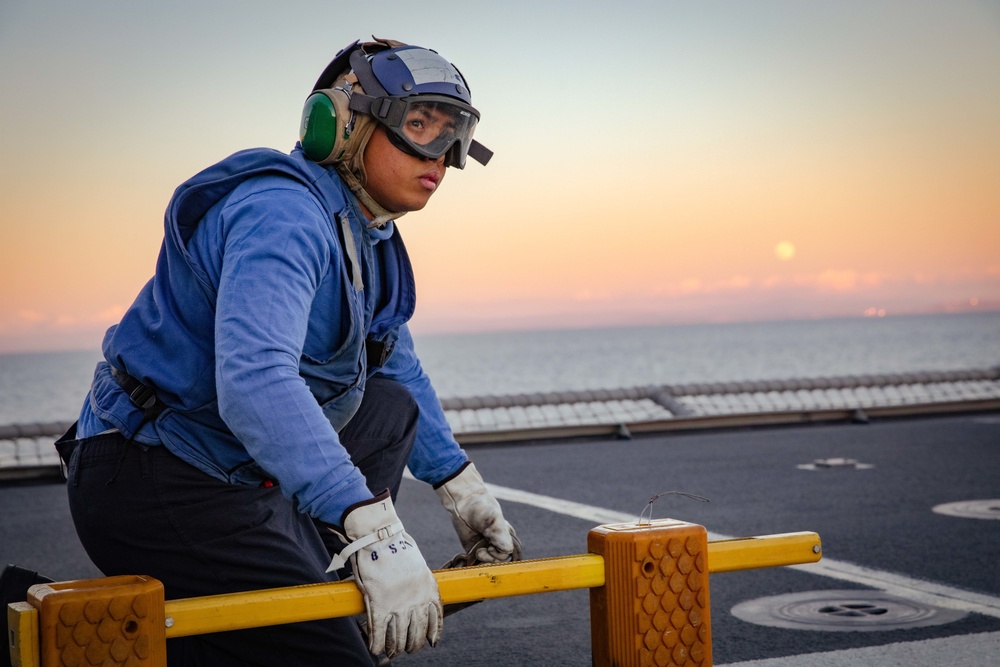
pixel 784 251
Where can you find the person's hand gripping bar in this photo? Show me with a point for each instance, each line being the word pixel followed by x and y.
pixel 401 595
pixel 476 515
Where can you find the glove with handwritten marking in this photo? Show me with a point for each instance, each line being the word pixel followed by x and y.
pixel 401 595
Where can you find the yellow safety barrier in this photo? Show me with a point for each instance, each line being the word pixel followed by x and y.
pixel 236 611
pixel 648 585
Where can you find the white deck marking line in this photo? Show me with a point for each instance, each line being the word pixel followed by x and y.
pixel 926 592
pixel 973 650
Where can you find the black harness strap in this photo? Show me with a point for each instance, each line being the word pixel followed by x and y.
pixel 142 396
pixel 377 352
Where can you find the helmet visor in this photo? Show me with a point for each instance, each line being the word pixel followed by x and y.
pixel 431 126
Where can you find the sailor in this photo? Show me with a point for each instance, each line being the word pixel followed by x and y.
pixel 259 401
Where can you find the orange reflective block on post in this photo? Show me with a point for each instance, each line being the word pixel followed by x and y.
pixel 654 606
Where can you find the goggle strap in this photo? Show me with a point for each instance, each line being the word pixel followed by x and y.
pixel 360 103
pixel 366 77
pixel 480 153
pixel 385 109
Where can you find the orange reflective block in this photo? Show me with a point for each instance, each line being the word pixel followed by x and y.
pixel 116 621
pixel 654 606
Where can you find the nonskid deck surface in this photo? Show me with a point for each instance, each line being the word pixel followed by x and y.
pixel 921 585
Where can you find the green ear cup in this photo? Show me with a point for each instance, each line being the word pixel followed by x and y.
pixel 318 131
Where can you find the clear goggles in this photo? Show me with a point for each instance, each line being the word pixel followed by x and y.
pixel 429 126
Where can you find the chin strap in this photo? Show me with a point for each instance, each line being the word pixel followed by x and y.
pixel 381 214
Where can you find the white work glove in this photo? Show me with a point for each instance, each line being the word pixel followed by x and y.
pixel 401 595
pixel 476 514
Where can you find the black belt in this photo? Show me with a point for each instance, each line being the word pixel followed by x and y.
pixel 141 395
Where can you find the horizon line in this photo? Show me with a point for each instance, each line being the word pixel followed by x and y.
pixel 494 328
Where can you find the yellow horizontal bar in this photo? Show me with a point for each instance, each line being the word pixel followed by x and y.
pixel 275 606
pixel 747 553
pixel 234 611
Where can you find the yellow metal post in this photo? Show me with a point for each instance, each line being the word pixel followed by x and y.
pixel 235 611
pixel 22 624
pixel 749 553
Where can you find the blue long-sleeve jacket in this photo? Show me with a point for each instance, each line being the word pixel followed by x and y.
pixel 252 332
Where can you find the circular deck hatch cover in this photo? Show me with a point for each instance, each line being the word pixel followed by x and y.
pixel 842 611
pixel 971 509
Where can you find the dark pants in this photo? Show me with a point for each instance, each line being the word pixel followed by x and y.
pixel 200 536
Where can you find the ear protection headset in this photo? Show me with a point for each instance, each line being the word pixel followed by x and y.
pixel 323 131
pixel 324 124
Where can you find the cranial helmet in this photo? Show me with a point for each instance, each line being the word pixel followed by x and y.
pixel 421 100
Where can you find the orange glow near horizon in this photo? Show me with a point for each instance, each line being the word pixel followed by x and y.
pixel 725 172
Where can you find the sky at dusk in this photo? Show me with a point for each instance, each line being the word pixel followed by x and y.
pixel 656 162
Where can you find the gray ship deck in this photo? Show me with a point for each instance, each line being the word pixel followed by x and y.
pixel 876 519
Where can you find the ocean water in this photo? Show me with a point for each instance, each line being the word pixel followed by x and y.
pixel 51 386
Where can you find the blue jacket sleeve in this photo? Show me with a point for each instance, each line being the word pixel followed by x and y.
pixel 436 454
pixel 278 247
